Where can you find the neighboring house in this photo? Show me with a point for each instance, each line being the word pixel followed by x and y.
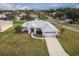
pixel 34 16
pixel 47 28
pixel 2 15
pixel 6 12
pixel 53 14
pixel 7 18
pixel 18 18
pixel 4 25
pixel 22 14
pixel 65 21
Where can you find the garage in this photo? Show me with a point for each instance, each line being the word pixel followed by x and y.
pixel 50 34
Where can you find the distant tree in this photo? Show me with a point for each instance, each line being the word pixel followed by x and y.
pixel 70 13
pixel 10 17
pixel 73 15
pixel 27 17
pixel 42 16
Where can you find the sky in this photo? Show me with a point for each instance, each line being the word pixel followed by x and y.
pixel 14 6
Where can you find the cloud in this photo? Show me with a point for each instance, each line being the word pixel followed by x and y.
pixel 14 6
pixel 54 5
pixel 7 6
pixel 25 7
pixel 77 6
pixel 17 6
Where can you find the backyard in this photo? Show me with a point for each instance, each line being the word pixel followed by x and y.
pixel 16 44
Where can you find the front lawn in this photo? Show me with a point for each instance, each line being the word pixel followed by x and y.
pixel 69 40
pixel 21 44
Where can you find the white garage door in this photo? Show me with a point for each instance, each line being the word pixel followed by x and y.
pixel 50 34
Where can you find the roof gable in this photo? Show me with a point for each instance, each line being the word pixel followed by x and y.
pixel 44 25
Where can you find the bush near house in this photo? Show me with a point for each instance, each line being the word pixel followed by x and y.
pixel 18 29
pixel 62 30
pixel 39 32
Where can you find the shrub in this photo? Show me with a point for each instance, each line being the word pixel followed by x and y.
pixel 18 29
pixel 62 30
pixel 38 31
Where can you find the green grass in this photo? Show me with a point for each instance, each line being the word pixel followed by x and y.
pixel 15 23
pixel 69 40
pixel 21 44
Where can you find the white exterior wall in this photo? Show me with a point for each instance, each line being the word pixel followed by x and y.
pixel 29 30
pixel 34 30
pixel 6 26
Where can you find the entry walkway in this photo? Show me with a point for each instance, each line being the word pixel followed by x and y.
pixel 54 47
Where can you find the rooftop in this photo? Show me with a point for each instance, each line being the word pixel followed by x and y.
pixel 44 25
pixel 3 22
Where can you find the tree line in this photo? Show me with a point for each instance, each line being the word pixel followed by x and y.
pixel 64 13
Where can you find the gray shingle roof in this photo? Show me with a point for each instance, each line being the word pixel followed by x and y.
pixel 44 25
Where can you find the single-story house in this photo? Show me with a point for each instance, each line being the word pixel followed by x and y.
pixel 2 15
pixel 65 21
pixel 18 18
pixel 4 25
pixel 47 28
pixel 34 16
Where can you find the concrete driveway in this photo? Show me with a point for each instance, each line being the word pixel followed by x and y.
pixel 54 47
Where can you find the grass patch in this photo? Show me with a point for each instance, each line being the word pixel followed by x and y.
pixel 69 40
pixel 15 23
pixel 22 44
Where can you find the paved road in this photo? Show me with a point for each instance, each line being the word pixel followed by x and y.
pixel 73 29
pixel 51 19
pixel 54 47
pixel 70 28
